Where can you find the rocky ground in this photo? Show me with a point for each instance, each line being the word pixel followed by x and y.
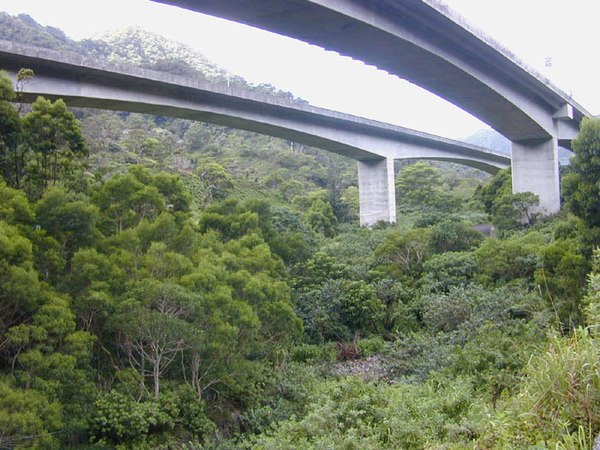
pixel 371 368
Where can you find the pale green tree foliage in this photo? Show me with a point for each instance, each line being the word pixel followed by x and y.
pixel 512 258
pixel 38 337
pixel 498 186
pixel 68 218
pixel 43 148
pixel 27 419
pixel 403 254
pixel 419 186
pixel 20 289
pixel 217 183
pixel 93 282
pixel 592 299
pixel 353 414
pixel 417 182
pixel 229 219
pixel 514 211
pixel 102 132
pixel 14 207
pixel 126 200
pixel 53 136
pixel 116 202
pixel 320 217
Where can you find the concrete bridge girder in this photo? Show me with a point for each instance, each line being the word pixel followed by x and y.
pixel 374 144
pixel 487 91
pixel 354 143
pixel 375 154
pixel 422 41
pixel 428 44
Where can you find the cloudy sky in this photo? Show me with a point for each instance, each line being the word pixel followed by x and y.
pixel 555 37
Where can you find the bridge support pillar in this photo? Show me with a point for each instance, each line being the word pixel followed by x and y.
pixel 376 188
pixel 535 169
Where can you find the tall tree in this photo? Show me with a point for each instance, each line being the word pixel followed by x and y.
pixel 581 186
pixel 53 136
pixel 11 166
pixel 68 218
pixel 420 186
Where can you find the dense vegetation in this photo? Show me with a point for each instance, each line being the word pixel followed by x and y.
pixel 167 284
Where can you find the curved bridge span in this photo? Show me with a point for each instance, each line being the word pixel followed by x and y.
pixel 86 83
pixel 430 45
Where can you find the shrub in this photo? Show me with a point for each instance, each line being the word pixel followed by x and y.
pixel 447 270
pixel 371 345
pixel 120 419
pixel 559 397
pixel 310 353
pixel 352 414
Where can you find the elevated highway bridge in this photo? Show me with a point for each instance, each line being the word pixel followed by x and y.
pixel 82 82
pixel 428 44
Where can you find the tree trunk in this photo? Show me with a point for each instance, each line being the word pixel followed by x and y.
pixel 156 377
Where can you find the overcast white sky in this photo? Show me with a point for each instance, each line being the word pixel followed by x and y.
pixel 558 38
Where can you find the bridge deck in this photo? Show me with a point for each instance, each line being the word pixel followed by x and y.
pixel 90 83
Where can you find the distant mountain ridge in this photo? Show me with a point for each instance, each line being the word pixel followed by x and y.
pixel 132 45
pixel 491 139
pixel 24 29
pixel 137 46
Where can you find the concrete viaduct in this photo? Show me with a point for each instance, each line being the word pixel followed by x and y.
pixel 428 44
pixel 85 83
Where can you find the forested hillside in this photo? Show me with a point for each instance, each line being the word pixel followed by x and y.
pixel 177 285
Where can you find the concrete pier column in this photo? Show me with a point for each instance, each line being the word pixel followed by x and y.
pixel 535 169
pixel 376 188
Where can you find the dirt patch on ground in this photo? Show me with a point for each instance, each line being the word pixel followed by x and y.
pixel 371 368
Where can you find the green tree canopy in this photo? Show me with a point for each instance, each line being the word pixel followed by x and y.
pixel 419 186
pixel 581 186
pixel 53 136
pixel 11 159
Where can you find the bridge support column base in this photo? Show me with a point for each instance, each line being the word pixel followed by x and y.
pixel 535 169
pixel 376 188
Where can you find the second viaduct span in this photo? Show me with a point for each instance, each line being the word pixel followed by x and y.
pixel 425 42
pixel 85 83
